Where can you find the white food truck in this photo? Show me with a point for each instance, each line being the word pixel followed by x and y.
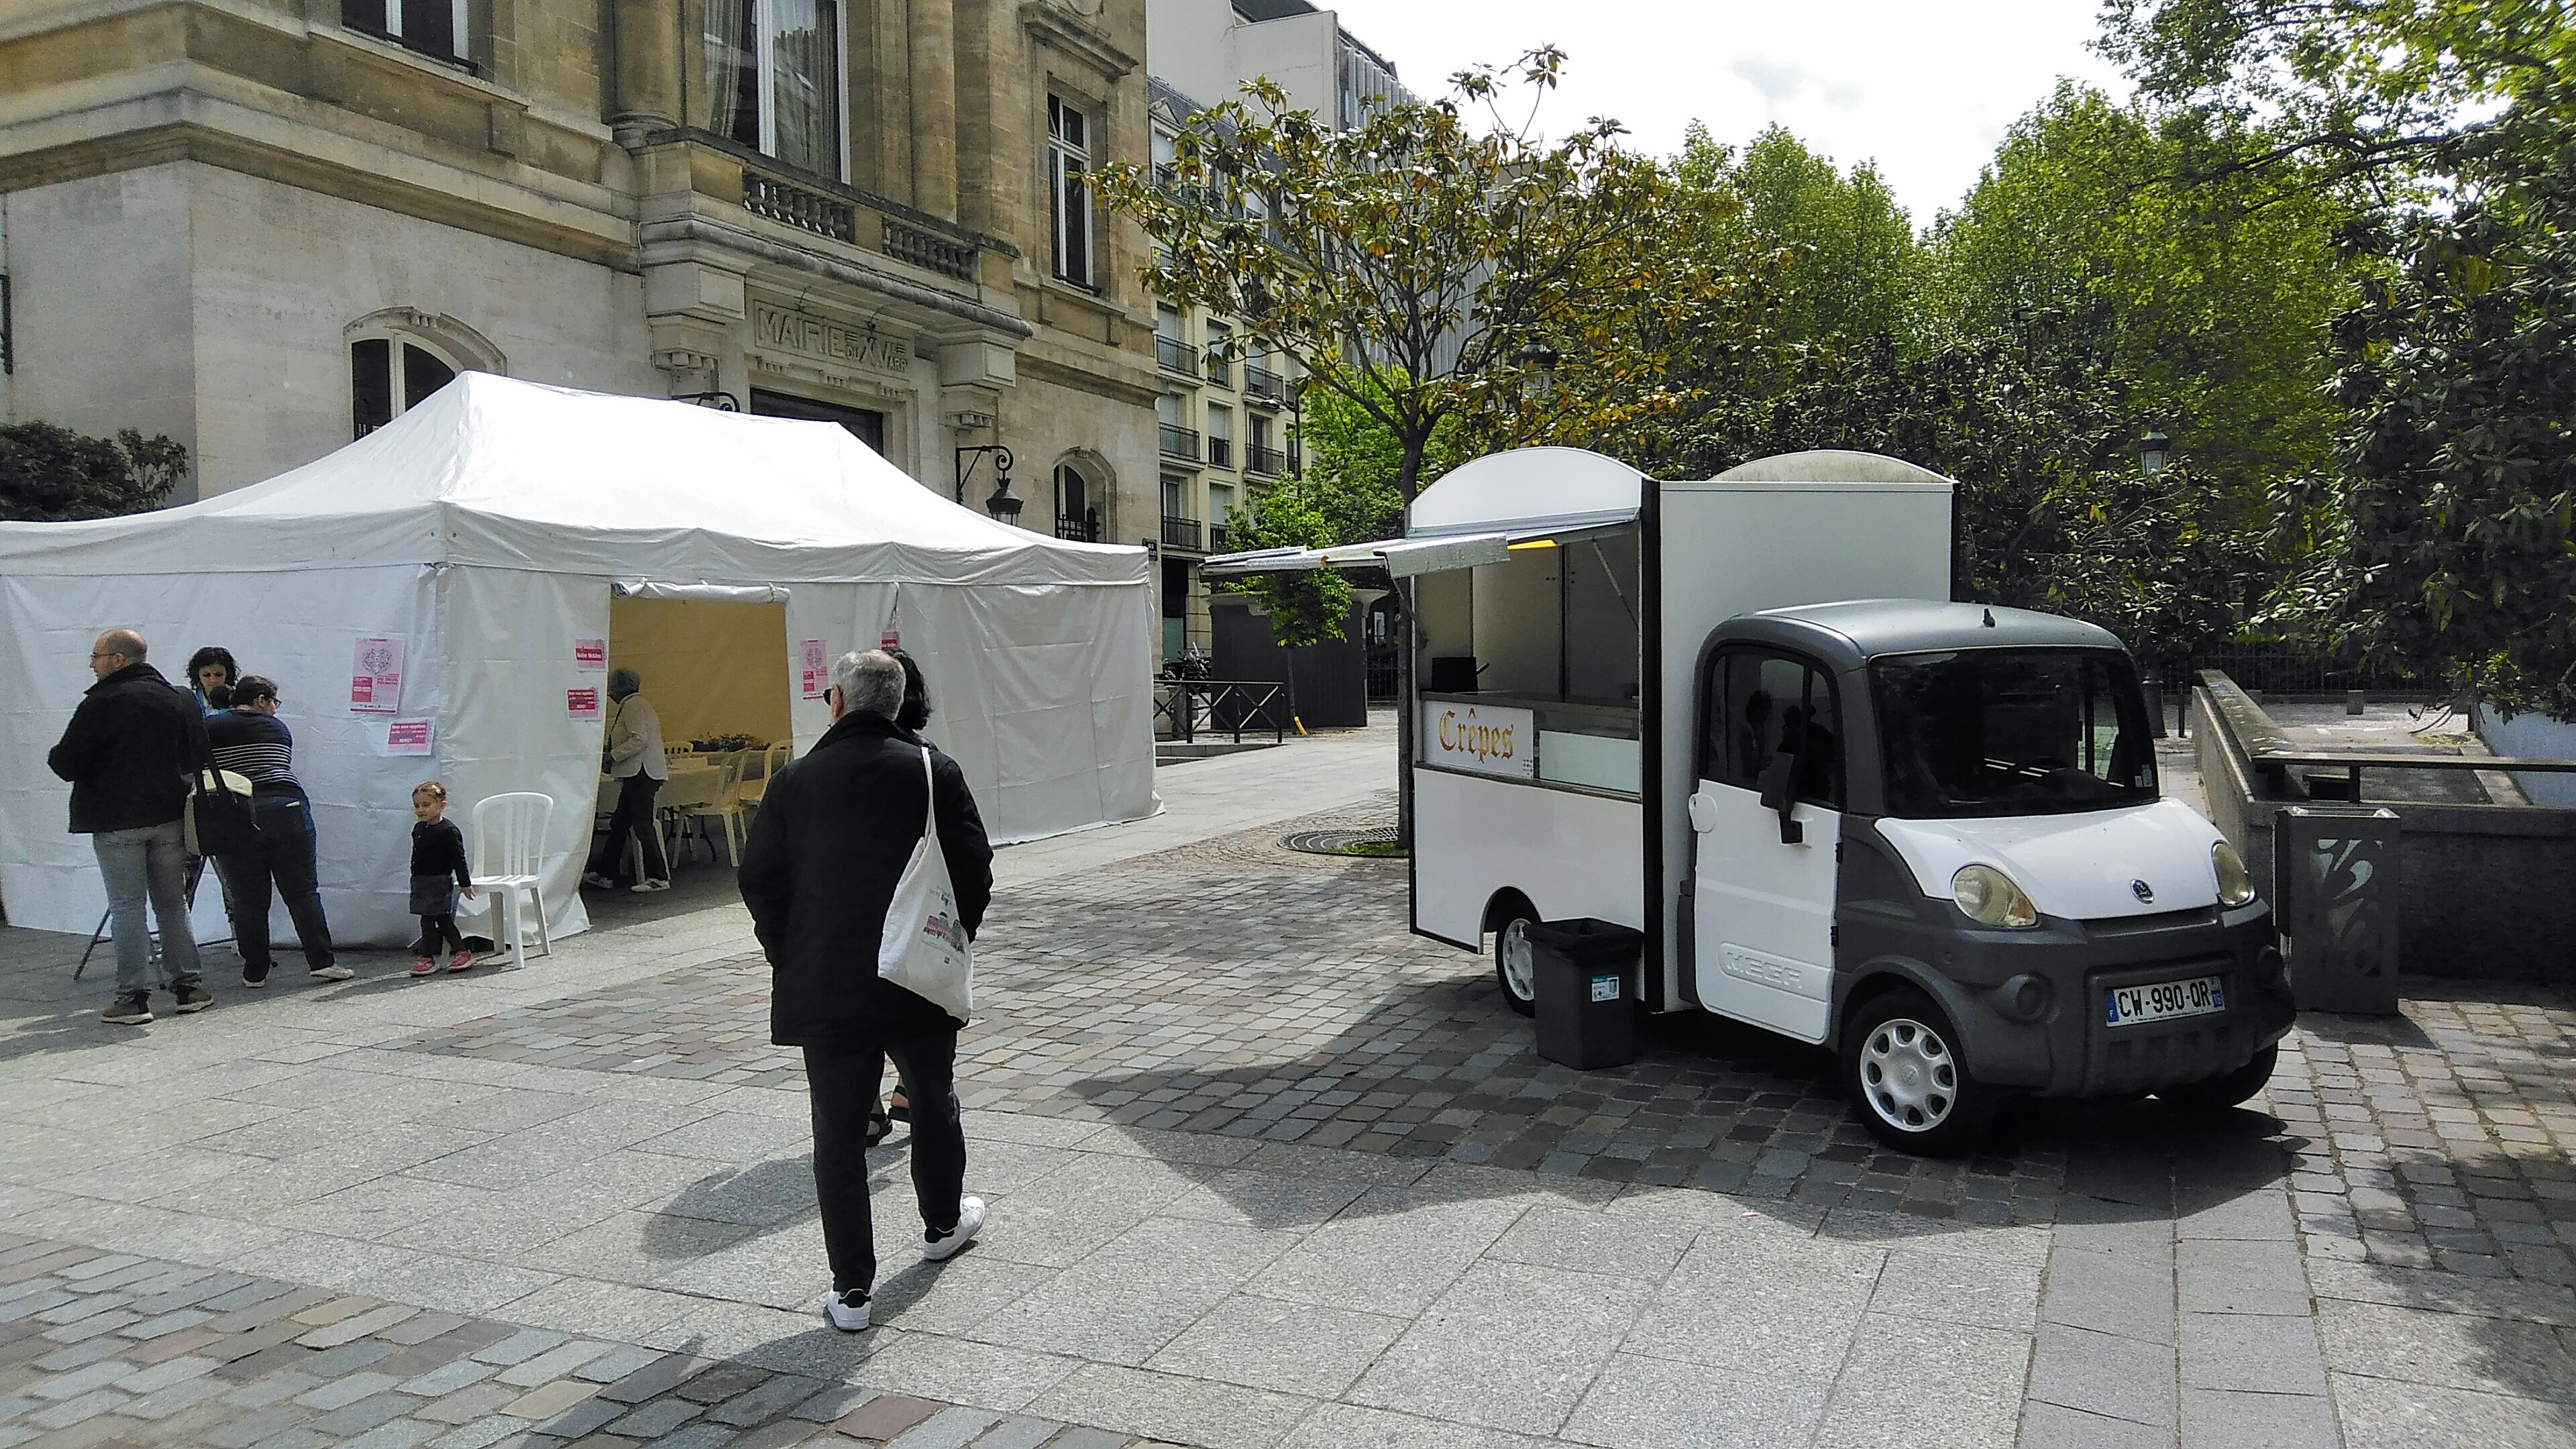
pixel 1740 716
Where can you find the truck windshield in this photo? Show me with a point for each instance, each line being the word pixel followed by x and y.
pixel 2012 732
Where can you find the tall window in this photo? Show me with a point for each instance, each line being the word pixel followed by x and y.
pixel 774 78
pixel 389 376
pixel 433 27
pixel 1069 188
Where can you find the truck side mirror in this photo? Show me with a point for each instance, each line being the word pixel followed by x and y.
pixel 1779 784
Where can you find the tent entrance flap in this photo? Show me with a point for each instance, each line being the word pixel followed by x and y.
pixel 710 668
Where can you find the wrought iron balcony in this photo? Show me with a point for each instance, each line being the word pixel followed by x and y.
pixel 1179 442
pixel 1263 385
pixel 1221 452
pixel 1081 528
pixel 1264 459
pixel 1220 538
pixel 1180 532
pixel 1176 356
pixel 1220 369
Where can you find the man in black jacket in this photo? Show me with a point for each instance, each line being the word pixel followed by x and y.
pixel 834 832
pixel 127 752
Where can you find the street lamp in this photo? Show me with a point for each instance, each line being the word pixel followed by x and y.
pixel 2154 451
pixel 1538 371
pixel 1001 504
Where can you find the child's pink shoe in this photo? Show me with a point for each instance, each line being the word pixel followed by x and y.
pixel 425 966
pixel 460 960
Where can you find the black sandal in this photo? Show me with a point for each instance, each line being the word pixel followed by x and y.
pixel 879 1127
pixel 898 1106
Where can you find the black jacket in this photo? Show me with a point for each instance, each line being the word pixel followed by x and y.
pixel 438 848
pixel 128 751
pixel 819 870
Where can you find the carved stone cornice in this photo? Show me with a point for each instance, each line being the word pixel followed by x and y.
pixel 1055 27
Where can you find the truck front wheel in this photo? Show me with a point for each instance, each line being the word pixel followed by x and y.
pixel 1903 1072
pixel 2219 1093
pixel 1513 969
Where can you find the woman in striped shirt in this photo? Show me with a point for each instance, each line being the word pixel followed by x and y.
pixel 251 741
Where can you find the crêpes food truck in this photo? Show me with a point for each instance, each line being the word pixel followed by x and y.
pixel 1740 716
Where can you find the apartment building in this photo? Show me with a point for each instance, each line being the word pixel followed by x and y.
pixel 263 227
pixel 1226 420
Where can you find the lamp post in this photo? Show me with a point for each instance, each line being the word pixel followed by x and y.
pixel 967 458
pixel 2154 451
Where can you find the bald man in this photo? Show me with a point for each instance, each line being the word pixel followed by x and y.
pixel 127 752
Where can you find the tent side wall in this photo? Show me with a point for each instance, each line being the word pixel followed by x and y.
pixel 1042 693
pixel 508 724
pixel 297 628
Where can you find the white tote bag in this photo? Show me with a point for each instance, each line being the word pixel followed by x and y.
pixel 924 948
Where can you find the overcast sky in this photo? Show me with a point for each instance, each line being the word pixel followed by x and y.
pixel 1925 90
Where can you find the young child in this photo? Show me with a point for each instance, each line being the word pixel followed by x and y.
pixel 438 870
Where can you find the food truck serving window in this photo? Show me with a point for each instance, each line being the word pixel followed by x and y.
pixel 1757 704
pixel 2012 732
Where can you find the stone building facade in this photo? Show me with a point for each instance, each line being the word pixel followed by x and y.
pixel 264 226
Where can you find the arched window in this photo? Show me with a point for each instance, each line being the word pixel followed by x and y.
pixel 1081 504
pixel 397 358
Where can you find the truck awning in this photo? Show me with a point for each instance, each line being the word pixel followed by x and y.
pixel 1400 557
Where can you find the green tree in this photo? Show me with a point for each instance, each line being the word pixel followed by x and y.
pixel 51 474
pixel 2447 540
pixel 2213 297
pixel 1406 261
pixel 1852 253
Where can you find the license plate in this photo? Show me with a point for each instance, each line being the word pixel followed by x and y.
pixel 2162 1000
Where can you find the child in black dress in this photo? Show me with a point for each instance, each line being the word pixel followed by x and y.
pixel 438 872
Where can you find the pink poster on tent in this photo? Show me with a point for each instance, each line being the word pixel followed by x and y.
pixel 813 668
pixel 408 737
pixel 375 676
pixel 889 641
pixel 581 703
pixel 590 656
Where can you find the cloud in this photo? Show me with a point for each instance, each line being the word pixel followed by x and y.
pixel 1776 80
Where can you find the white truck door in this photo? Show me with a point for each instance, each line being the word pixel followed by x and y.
pixel 1763 922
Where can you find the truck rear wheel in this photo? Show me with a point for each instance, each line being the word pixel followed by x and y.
pixel 1514 971
pixel 2220 1093
pixel 1903 1072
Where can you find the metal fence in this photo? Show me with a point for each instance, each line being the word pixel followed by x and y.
pixel 1224 706
pixel 2283 672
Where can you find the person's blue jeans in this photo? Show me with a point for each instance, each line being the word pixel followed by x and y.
pixel 285 858
pixel 149 863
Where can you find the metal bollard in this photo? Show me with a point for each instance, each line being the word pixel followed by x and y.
pixel 2334 885
pixel 2352 701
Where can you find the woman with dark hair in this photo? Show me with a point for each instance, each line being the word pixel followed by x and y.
pixel 250 740
pixel 211 676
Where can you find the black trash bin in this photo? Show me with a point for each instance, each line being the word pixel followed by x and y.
pixel 1585 973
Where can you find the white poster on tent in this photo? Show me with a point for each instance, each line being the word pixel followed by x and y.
pixel 375 676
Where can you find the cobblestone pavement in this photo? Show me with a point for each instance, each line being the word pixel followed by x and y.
pixel 112 1349
pixel 1269 1171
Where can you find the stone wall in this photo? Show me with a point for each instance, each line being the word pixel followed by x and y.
pixel 2483 889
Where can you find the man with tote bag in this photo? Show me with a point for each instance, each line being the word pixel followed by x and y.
pixel 867 874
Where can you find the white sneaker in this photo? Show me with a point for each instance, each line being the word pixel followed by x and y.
pixel 641 886
pixel 936 1247
pixel 845 1314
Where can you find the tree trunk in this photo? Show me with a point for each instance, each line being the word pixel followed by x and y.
pixel 1406 648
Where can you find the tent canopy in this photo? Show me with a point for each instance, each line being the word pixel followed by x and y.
pixel 493 471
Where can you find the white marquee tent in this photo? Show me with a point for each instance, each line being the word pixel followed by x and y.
pixel 485 532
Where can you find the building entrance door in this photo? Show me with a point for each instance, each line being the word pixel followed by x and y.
pixel 867 426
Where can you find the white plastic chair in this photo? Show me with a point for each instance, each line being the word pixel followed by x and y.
pixel 755 785
pixel 509 858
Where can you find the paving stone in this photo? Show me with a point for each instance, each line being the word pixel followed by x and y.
pixel 884 1416
pixel 665 1373
pixel 357 1326
pixel 553 1399
pixel 766 1401
pixel 519 1347
pixel 655 1419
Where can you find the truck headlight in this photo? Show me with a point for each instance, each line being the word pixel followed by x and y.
pixel 1990 898
pixel 2235 887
